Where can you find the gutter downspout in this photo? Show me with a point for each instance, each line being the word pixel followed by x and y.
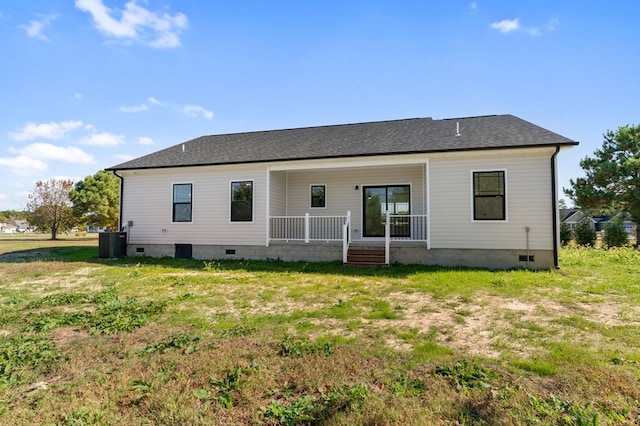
pixel 554 207
pixel 120 227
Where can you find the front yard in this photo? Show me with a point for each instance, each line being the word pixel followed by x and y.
pixel 163 341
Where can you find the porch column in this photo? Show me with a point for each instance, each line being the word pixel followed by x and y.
pixel 268 207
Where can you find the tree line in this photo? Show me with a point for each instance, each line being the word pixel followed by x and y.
pixel 59 204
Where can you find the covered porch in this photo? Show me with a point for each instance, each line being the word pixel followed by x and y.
pixel 371 206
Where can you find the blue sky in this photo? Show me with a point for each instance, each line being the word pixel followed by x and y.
pixel 87 84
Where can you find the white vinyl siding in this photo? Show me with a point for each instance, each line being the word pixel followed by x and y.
pixel 145 203
pixel 528 200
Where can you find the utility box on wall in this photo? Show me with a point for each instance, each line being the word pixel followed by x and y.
pixel 112 244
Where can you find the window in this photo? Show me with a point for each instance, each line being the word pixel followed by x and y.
pixel 182 200
pixel 489 195
pixel 242 201
pixel 318 193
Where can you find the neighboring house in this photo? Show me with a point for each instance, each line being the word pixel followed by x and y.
pixel 21 225
pixel 476 191
pixel 573 217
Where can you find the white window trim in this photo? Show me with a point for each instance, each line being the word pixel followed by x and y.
pixel 506 195
pixel 311 195
pixel 193 190
pixel 253 201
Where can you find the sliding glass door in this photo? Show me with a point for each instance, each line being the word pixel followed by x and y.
pixel 377 200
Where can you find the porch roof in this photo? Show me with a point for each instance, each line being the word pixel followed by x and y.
pixel 417 135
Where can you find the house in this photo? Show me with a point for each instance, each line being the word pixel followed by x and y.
pixel 475 191
pixel 573 217
pixel 21 225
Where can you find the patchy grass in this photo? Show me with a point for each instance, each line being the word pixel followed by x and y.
pixel 165 341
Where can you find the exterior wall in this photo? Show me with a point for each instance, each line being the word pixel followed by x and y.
pixel 278 194
pixel 455 239
pixel 147 201
pixel 528 198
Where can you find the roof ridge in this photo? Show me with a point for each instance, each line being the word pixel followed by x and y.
pixel 317 127
pixel 472 116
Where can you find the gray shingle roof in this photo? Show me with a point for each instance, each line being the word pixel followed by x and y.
pixel 417 135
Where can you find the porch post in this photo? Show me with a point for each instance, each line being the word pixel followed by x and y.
pixel 268 207
pixel 306 227
pixel 427 184
pixel 387 237
pixel 346 237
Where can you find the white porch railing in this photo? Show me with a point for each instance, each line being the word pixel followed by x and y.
pixel 307 228
pixel 411 227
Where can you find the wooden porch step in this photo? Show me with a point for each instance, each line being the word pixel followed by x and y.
pixel 365 257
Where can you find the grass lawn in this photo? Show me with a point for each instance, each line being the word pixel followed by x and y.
pixel 145 341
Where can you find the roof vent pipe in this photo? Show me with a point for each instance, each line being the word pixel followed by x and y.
pixel 182 147
pixel 457 128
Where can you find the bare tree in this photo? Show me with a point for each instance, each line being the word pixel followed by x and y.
pixel 49 206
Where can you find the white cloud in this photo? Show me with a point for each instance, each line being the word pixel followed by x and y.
pixel 77 96
pixel 52 130
pixel 23 165
pixel 136 23
pixel 506 25
pixel 35 28
pixel 145 140
pixel 196 110
pixel 552 24
pixel 2 196
pixel 134 108
pixel 46 151
pixel 154 101
pixel 510 25
pixel 103 139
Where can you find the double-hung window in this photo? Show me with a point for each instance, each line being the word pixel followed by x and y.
pixel 489 195
pixel 242 201
pixel 182 202
pixel 318 196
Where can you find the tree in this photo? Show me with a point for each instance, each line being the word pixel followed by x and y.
pixel 96 200
pixel 612 181
pixel 585 235
pixel 49 207
pixel 566 235
pixel 615 235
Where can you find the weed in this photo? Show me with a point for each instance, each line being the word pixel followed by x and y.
pixel 229 383
pixel 123 316
pixel 20 355
pixel 186 341
pixel 84 416
pixel 290 346
pixel 46 321
pixel 465 376
pixel 403 385
pixel 212 266
pixel 236 331
pixel 565 411
pixel 296 412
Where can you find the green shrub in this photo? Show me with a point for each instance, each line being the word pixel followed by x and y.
pixel 615 235
pixel 585 235
pixel 566 235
